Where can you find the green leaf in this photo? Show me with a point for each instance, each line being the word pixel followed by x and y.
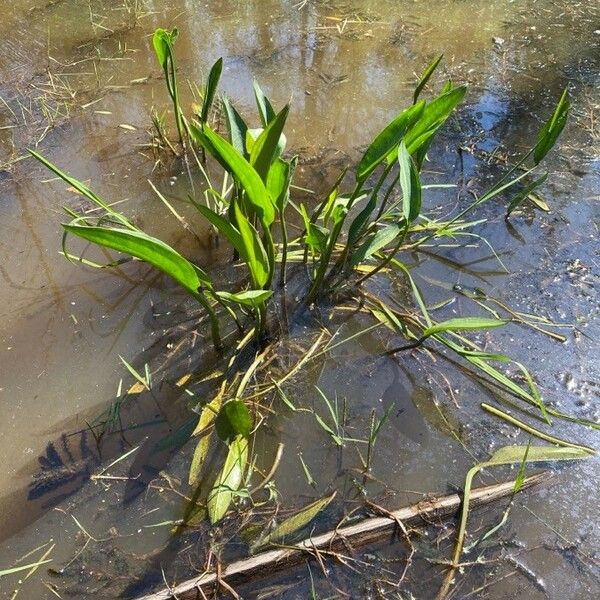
pixel 316 237
pixel 462 324
pixel 509 455
pixel 229 480
pixel 552 128
pixel 240 168
pixel 505 456
pixel 233 419
pixel 424 78
pixel 205 420
pixel 293 523
pixel 279 180
pixel 433 116
pixel 151 250
pixel 82 189
pixel 224 227
pixel 265 109
pixel 387 140
pixel 524 193
pixel 176 439
pixel 254 252
pixel 211 88
pixel 410 183
pixel 376 242
pixel 266 146
pixel 160 41
pixel 237 127
pixel 251 298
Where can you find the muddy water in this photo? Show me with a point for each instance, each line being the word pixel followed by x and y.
pixel 73 72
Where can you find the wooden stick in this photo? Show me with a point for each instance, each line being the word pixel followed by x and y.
pixel 367 531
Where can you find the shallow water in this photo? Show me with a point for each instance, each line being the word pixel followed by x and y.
pixel 74 71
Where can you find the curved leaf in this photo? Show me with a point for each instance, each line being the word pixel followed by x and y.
pixel 240 168
pixel 151 250
pixel 266 146
pixel 251 298
pixel 424 78
pixel 387 140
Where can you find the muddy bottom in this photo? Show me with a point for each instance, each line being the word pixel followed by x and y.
pixel 79 81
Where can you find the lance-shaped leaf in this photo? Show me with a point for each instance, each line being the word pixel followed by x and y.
pixel 506 456
pixel 252 298
pixel 432 118
pixel 265 109
pixel 151 250
pixel 254 252
pixel 211 88
pixel 463 324
pixel 410 183
pixel 524 193
pixel 229 480
pixel 552 128
pixel 279 180
pixel 266 147
pixel 424 78
pixel 294 523
pixel 374 243
pixel 240 168
pixel 387 140
pixel 207 416
pixel 237 127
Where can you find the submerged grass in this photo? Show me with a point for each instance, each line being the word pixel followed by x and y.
pixel 357 231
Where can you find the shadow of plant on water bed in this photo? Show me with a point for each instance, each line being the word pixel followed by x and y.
pixel 345 252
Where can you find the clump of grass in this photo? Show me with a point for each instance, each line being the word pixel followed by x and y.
pixel 348 238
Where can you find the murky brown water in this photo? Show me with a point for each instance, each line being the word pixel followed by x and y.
pixel 72 71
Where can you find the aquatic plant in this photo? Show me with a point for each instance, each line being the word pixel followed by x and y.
pixel 348 237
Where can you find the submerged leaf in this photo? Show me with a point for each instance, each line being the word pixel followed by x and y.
pixel 294 523
pixel 206 419
pixel 229 480
pixel 234 419
pixel 526 192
